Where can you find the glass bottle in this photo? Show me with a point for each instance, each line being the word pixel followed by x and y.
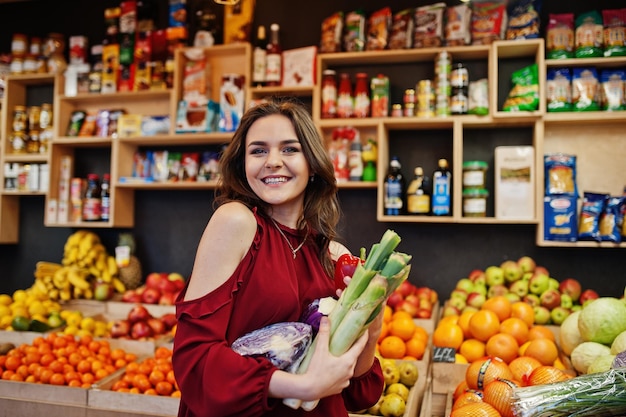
pixel 259 57
pixel 92 203
pixel 442 182
pixel 345 102
pixel 361 96
pixel 105 198
pixel 418 193
pixel 45 127
pixel 274 61
pixel 329 94
pixel 355 160
pixel 394 188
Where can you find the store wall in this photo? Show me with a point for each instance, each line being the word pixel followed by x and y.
pixel 168 224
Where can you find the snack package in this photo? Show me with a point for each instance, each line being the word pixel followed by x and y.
pixel 614 33
pixel 428 30
pixel 560 174
pixel 401 33
pixel 478 100
pixel 159 169
pixel 332 28
pixel 142 164
pixel 560 217
pixel 189 166
pixel 523 19
pixel 560 36
pixel 354 32
pixel 559 90
pixel 76 122
pixel 174 172
pixel 613 86
pixel 611 220
pixel 88 128
pixel 585 89
pixel 524 96
pixel 209 166
pixel 458 21
pixel 378 26
pixel 589 222
pixel 589 35
pixel 489 21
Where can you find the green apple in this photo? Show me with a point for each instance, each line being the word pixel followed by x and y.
pixel 553 283
pixel 519 287
pixel 375 409
pixel 465 284
pixel 391 373
pixel 538 283
pixel 494 275
pixel 512 297
pixel 527 264
pixel 566 301
pixel 542 315
pixel 559 314
pixel 511 270
pixel 481 288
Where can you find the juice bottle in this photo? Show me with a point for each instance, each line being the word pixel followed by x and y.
pixel 394 188
pixel 442 182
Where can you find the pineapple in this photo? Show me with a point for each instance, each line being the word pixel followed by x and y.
pixel 131 274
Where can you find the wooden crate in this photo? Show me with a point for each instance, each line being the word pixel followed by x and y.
pixel 101 401
pixel 43 394
pixel 435 404
pixel 87 307
pixel 446 376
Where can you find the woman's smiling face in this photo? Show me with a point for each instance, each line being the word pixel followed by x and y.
pixel 276 167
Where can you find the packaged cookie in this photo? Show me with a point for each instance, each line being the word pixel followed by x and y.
pixel 489 21
pixel 590 211
pixel 614 33
pixel 401 34
pixel 428 32
pixel 457 29
pixel 524 96
pixel 560 36
pixel 378 26
pixel 354 31
pixel 613 85
pixel 559 90
pixel 585 89
pixel 560 174
pixel 589 35
pixel 610 220
pixel 332 28
pixel 523 19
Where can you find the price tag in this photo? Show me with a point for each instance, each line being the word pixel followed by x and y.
pixel 444 354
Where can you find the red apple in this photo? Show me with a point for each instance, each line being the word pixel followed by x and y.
pixel 408 307
pixel 165 285
pixel 167 299
pixel 103 291
pixel 151 296
pixel 154 279
pixel 413 299
pixel 177 279
pixel 157 325
pixel 449 310
pixel 425 292
pixel 131 296
pixel 571 287
pixel 169 319
pixel 138 313
pixel 120 328
pixel 425 304
pixel 423 314
pixel 550 299
pixel 587 295
pixel 477 275
pixel 140 330
pixel 395 299
pixel 406 288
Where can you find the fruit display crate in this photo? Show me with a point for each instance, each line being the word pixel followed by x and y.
pixel 87 307
pixel 435 404
pixel 120 309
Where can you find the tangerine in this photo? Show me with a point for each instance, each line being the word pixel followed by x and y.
pixel 468 397
pixel 524 311
pixel 401 314
pixel 542 349
pixel 392 347
pixel 164 388
pixel 517 328
pixel 546 374
pixel 460 388
pixel 464 319
pixel 448 335
pixel 500 305
pixel 502 345
pixel 522 349
pixel 484 324
pixel 420 333
pixel 522 366
pixel 403 328
pixel 481 409
pixel 387 313
pixel 472 349
pixel 483 371
pixel 540 331
pixel 451 319
pixel 415 347
pixel 498 394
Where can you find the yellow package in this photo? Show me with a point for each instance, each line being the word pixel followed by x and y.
pixel 238 21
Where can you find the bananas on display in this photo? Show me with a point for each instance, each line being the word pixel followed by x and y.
pixel 85 262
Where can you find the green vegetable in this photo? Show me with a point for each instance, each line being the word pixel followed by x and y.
pixel 600 394
pixel 373 282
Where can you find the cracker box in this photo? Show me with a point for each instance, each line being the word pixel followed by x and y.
pixel 515 182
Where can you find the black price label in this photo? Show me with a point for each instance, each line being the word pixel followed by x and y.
pixel 444 354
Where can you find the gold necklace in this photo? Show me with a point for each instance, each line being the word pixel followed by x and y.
pixel 294 251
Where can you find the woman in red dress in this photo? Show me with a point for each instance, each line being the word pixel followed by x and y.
pixel 267 251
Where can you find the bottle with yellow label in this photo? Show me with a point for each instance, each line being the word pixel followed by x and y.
pixel 418 194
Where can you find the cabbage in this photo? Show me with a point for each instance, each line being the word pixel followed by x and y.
pixel 316 310
pixel 619 344
pixel 283 344
pixel 586 353
pixel 602 320
pixel 601 364
pixel 569 335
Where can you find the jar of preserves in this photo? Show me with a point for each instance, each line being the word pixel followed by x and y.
pixel 35 46
pixel 361 96
pixel 18 141
pixel 17 65
pixel 475 202
pixel 45 117
pixel 20 118
pixel 474 174
pixel 396 110
pixel 30 64
pixel 32 143
pixel 329 94
pixel 345 101
pixel 34 115
pixel 19 44
pixel 459 77
pixel 92 202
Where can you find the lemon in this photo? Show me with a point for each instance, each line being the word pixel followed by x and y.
pixel 73 330
pixel 19 295
pixel 5 310
pixel 88 323
pixel 20 311
pixel 101 329
pixel 74 319
pixel 5 321
pixel 42 318
pixel 83 332
pixel 55 320
pixel 20 323
pixel 5 299
pixel 37 308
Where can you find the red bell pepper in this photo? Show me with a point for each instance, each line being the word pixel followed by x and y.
pixel 345 267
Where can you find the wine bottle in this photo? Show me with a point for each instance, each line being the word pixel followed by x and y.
pixel 259 57
pixel 274 60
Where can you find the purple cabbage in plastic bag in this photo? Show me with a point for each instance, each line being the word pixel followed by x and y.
pixel 620 360
pixel 316 310
pixel 283 344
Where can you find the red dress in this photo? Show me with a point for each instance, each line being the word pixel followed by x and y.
pixel 268 286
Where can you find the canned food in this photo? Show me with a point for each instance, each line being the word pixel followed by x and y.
pixel 459 102
pixel 459 77
pixel 396 110
pixel 19 44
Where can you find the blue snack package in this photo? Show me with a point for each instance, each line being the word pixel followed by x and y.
pixel 560 218
pixel 589 222
pixel 560 174
pixel 611 220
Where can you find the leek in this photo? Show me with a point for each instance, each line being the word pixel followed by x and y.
pixel 361 301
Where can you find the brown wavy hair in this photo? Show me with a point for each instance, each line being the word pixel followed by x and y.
pixel 321 205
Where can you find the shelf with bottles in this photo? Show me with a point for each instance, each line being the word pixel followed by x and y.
pixel 600 155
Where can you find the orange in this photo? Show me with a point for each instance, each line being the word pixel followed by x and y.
pixel 499 305
pixel 453 319
pixel 164 388
pixel 464 319
pixel 475 410
pixel 460 388
pixel 542 349
pixel 458 358
pixel 522 349
pixel 483 371
pixel 502 345
pixel 416 348
pixel 540 331
pixel 522 366
pixel 392 347
pixel 517 328
pixel 472 349
pixel 384 331
pixel 498 394
pixel 546 374
pixel 448 335
pixel 484 324
pixel 420 333
pixel 388 312
pixel 467 397
pixel 523 311
pixel 403 328
pixel 401 314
